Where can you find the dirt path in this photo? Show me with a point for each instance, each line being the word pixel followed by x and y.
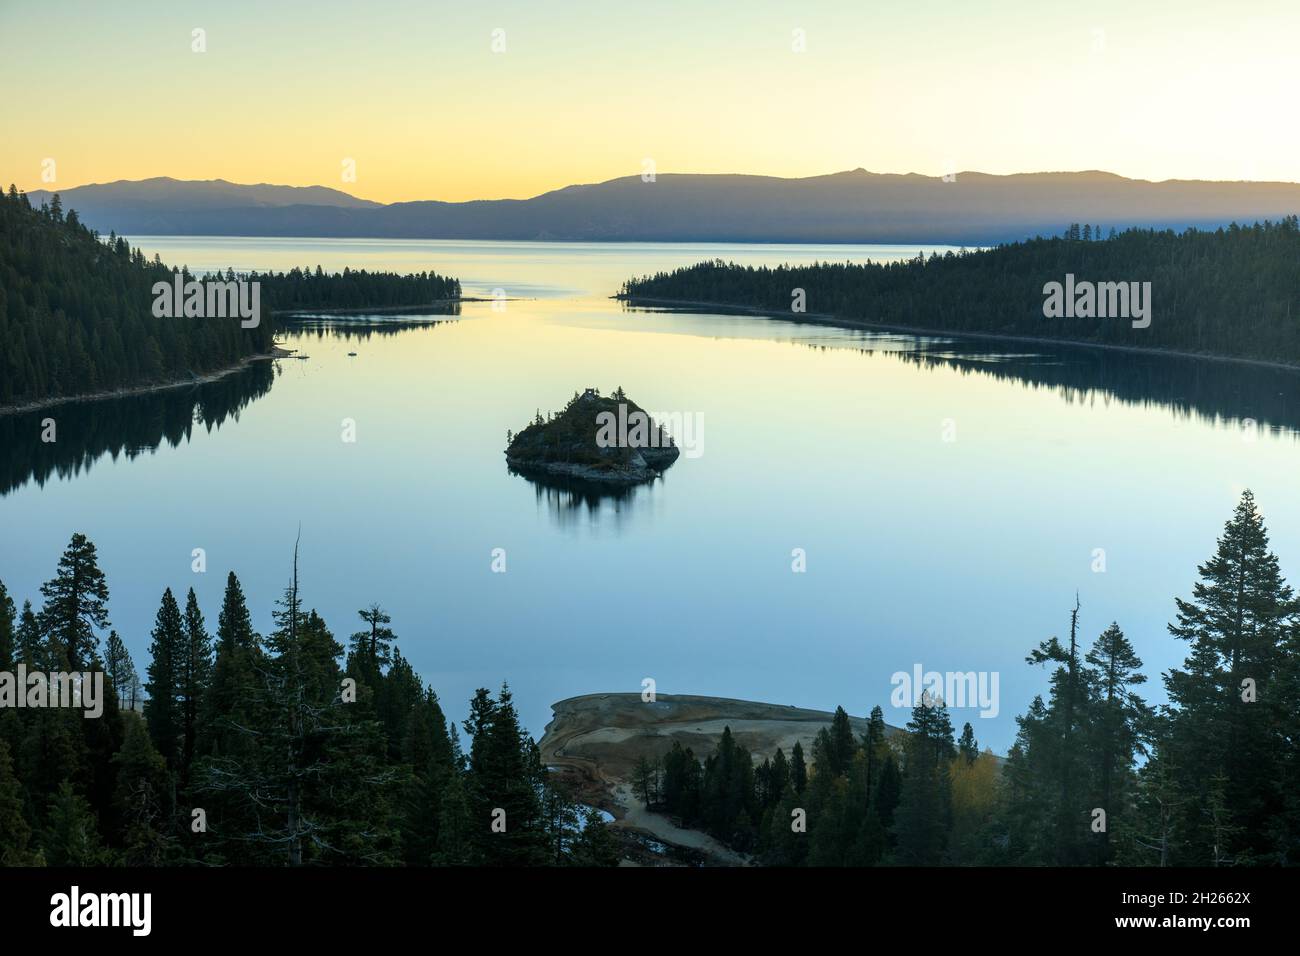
pixel 596 740
pixel 636 817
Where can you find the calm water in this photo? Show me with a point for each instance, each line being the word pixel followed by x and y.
pixel 956 555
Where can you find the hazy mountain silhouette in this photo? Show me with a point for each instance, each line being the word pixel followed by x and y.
pixel 854 206
pixel 163 206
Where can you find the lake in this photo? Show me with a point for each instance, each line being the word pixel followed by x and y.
pixel 950 496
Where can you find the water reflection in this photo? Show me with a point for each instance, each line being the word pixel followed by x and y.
pixel 573 501
pixel 137 424
pixel 129 426
pixel 1221 393
pixel 1217 392
pixel 362 327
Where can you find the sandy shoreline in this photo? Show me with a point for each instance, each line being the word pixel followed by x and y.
pixel 824 318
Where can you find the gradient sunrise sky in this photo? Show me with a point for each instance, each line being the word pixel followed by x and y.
pixel 585 91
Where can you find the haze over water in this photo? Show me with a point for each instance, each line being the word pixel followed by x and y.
pixel 956 555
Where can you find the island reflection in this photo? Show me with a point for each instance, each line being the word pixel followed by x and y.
pixel 573 501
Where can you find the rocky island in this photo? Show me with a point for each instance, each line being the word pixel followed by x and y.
pixel 609 440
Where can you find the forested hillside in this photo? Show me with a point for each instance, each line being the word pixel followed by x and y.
pixel 76 316
pixel 76 310
pixel 1232 292
pixel 261 749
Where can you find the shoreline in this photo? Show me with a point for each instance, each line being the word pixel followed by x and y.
pixel 825 318
pixel 276 353
pixel 388 309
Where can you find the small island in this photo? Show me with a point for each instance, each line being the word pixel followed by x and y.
pixel 609 440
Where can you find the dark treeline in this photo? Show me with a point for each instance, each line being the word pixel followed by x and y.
pixel 266 750
pixel 305 288
pixel 76 313
pixel 76 310
pixel 1096 775
pixel 1232 292
pixel 294 758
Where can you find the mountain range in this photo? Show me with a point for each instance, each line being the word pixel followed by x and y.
pixel 856 206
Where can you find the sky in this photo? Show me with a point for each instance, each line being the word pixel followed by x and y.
pixel 414 100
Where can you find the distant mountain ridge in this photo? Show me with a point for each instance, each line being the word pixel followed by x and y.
pixel 856 206
pixel 183 194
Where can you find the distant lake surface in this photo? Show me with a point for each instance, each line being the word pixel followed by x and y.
pixel 950 496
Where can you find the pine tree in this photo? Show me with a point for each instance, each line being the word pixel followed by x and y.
pixel 456 828
pixel 642 776
pixel 313 775
pixel 1120 724
pixel 967 746
pixel 428 751
pixel 923 816
pixel 194 676
pixel 874 746
pixel 1150 836
pixel 1227 703
pixel 162 710
pixel 76 603
pixel 681 784
pixel 843 746
pixel 798 769
pixel 8 646
pixel 14 830
pixel 398 693
pixel 778 777
pixel 503 786
pixel 561 822
pixel 888 790
pixel 596 846
pixel 71 838
pixel 1027 820
pixel 28 637
pixel 373 645
pixel 1064 745
pixel 142 797
pixel 235 682
pixel 120 670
